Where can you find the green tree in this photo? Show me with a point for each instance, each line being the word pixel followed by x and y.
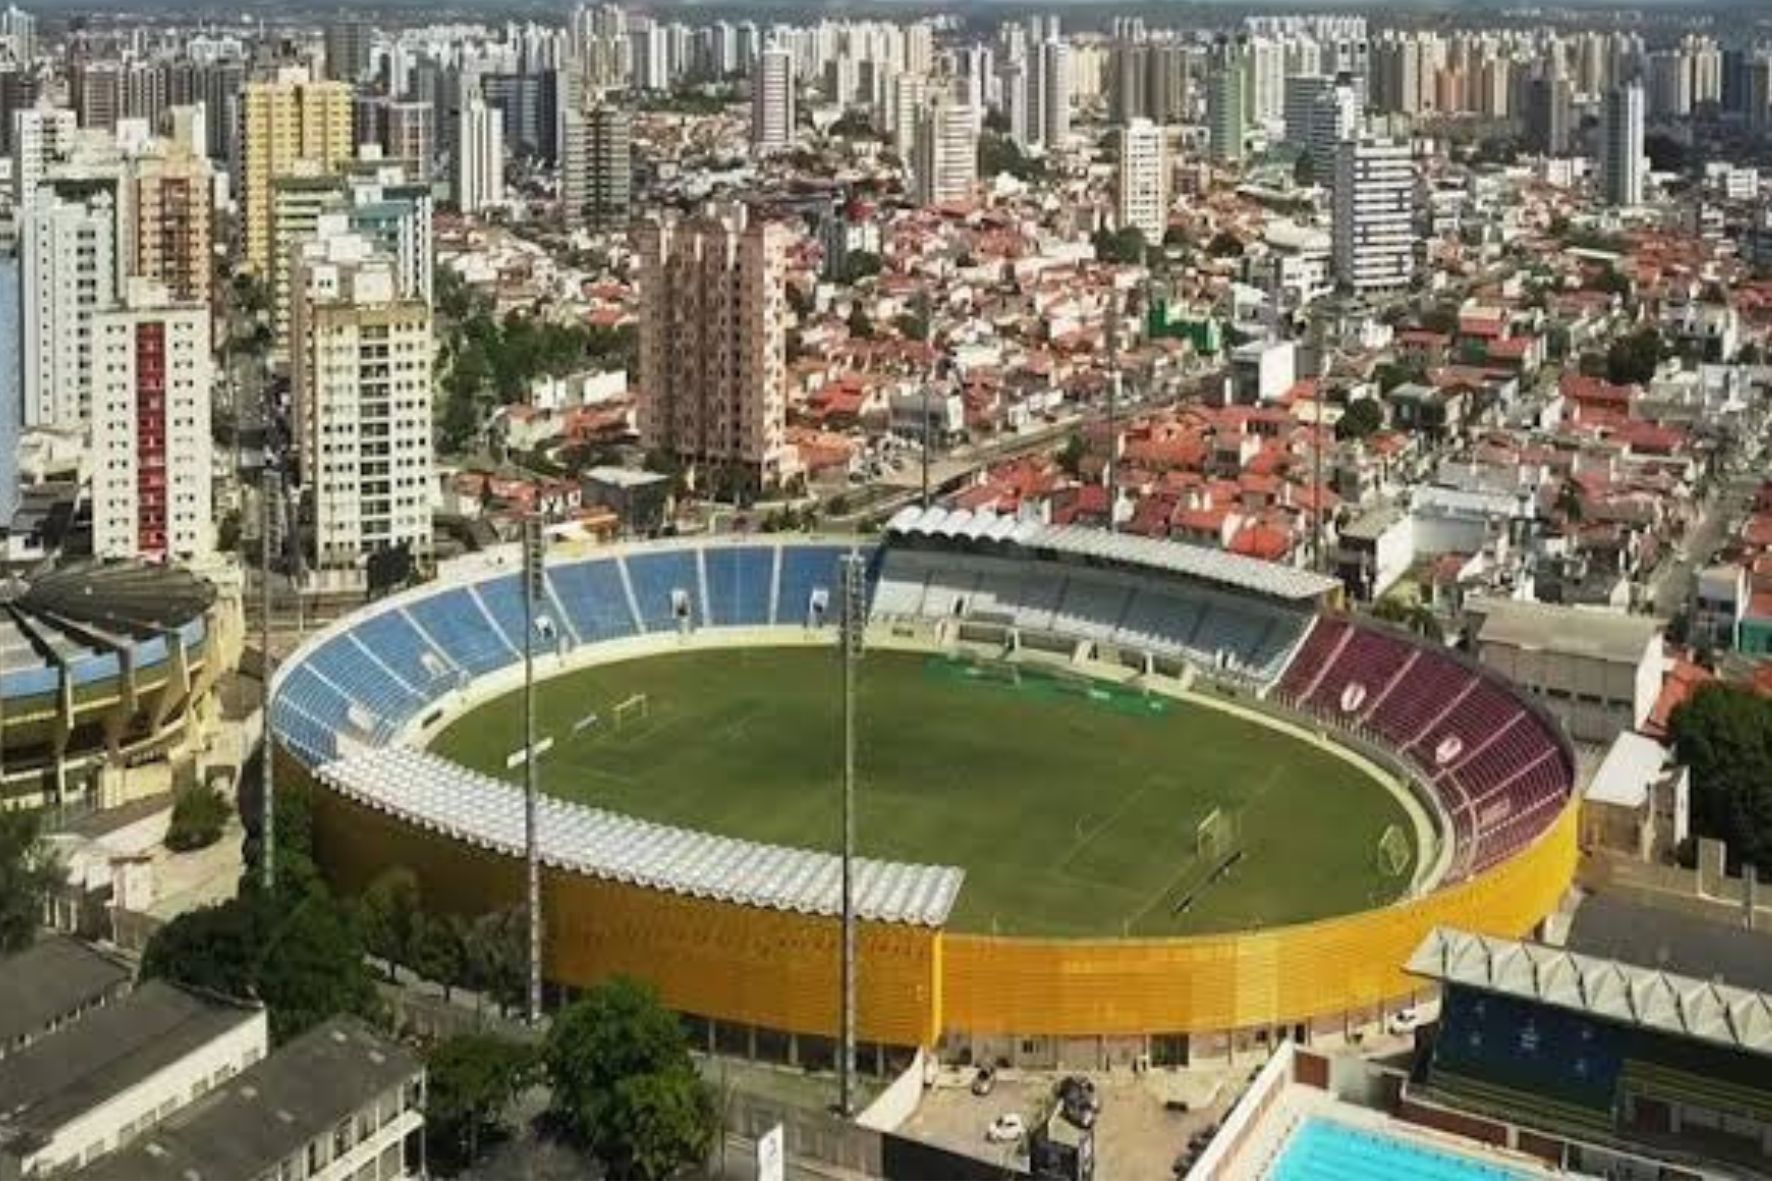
pixel 1070 456
pixel 858 265
pixel 29 874
pixel 471 1082
pixel 438 953
pixel 1121 246
pixel 389 917
pixel 1634 358
pixel 298 953
pixel 1362 418
pixel 1225 244
pixel 1724 734
pixel 624 1085
pixel 997 154
pixel 861 325
pixel 199 814
pixel 496 957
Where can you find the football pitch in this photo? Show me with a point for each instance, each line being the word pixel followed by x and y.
pixel 1074 813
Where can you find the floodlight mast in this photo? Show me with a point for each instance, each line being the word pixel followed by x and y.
pixel 533 554
pixel 854 624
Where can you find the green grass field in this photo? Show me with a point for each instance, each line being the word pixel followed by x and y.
pixel 1071 816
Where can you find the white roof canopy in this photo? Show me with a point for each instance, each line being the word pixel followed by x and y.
pixel 1172 557
pixel 1665 1002
pixel 433 793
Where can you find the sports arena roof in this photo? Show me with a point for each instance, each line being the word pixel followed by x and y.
pixel 1174 557
pixel 1664 1002
pixel 431 792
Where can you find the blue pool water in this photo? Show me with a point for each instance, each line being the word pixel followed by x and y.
pixel 1323 1150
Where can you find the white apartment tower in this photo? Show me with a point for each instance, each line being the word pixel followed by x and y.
pixel 1622 163
pixel 772 102
pixel 1050 99
pixel 41 136
pixel 1374 230
pixel 69 272
pixel 906 97
pixel 1141 191
pixel 479 157
pixel 361 369
pixel 944 160
pixel 713 359
pixel 152 455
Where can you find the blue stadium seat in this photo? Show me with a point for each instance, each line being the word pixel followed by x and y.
pixel 592 596
pixel 455 622
pixel 1537 1049
pixel 397 644
pixel 805 568
pixel 654 576
pixel 741 581
pixel 503 599
pixel 350 668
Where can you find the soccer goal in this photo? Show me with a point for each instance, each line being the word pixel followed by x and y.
pixel 1215 837
pixel 1393 852
pixel 630 710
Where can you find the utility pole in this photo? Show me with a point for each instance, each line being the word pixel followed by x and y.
pixel 533 589
pixel 1113 398
pixel 267 861
pixel 854 582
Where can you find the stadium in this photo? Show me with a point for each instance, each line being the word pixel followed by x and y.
pixel 1119 799
pixel 106 678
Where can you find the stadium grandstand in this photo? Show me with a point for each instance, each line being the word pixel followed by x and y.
pixel 704 916
pixel 106 672
pixel 1593 1057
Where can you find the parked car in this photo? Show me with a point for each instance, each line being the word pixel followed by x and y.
pixel 1403 1021
pixel 984 1082
pixel 1006 1129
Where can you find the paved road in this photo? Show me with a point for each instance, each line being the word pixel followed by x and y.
pixel 1671 584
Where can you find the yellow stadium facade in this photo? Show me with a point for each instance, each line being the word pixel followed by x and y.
pixel 778 971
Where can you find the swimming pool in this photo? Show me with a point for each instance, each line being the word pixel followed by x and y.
pixel 1325 1150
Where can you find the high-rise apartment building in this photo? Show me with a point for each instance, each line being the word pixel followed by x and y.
pixel 772 102
pixel 361 372
pixel 479 157
pixel 412 137
pixel 18 34
pixel 712 362
pixel 347 50
pixel 1227 124
pixel 1550 117
pixel 152 454
pixel 906 97
pixel 69 272
pixel 1049 100
pixel 283 122
pixel 597 167
pixel 1374 203
pixel 41 136
pixel 1141 191
pixel 174 206
pixel 97 90
pixel 1623 166
pixel 944 158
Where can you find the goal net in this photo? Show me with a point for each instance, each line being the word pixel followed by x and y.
pixel 1393 851
pixel 1215 837
pixel 629 710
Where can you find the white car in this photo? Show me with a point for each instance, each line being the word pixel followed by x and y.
pixel 1005 1129
pixel 1403 1021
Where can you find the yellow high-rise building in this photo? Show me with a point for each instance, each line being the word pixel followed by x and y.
pixel 286 122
